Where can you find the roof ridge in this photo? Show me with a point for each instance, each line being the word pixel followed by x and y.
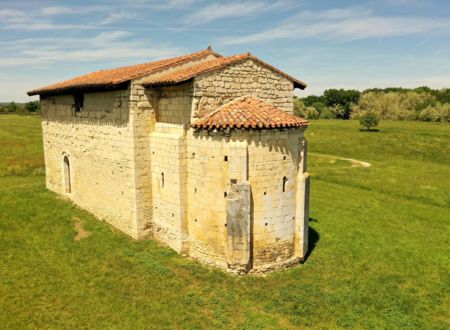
pixel 190 72
pixel 185 74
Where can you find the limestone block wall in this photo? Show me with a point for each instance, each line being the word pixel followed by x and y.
pixel 169 185
pixel 269 160
pixel 209 165
pixel 143 105
pixel 274 163
pixel 174 105
pixel 98 144
pixel 216 88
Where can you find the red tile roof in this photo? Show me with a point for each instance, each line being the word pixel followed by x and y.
pixel 185 74
pixel 248 112
pixel 113 77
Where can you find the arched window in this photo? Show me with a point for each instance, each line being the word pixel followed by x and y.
pixel 284 183
pixel 67 184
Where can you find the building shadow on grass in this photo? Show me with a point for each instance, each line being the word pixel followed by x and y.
pixel 313 238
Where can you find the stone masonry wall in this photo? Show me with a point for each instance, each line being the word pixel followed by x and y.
pixel 273 168
pixel 169 184
pixel 269 160
pixel 144 112
pixel 174 104
pixel 216 88
pixel 99 144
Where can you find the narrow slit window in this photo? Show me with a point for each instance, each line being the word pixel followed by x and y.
pixel 67 184
pixel 225 159
pixel 162 180
pixel 284 183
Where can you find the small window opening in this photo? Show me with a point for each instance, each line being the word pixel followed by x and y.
pixel 225 159
pixel 225 194
pixel 79 101
pixel 162 180
pixel 67 184
pixel 195 190
pixel 284 157
pixel 265 193
pixel 284 183
pixel 193 155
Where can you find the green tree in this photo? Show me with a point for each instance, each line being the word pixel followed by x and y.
pixel 369 120
pixel 12 107
pixel 342 97
pixel 311 99
pixel 32 106
pixel 443 95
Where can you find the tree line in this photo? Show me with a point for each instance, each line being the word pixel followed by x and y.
pixel 394 103
pixel 20 108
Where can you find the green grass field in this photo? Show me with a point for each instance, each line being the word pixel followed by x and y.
pixel 379 246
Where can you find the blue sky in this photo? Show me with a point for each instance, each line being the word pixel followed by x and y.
pixel 328 44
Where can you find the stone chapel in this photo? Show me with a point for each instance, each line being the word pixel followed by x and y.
pixel 201 152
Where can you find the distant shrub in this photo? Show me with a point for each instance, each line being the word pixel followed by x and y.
pixel 328 114
pixel 311 113
pixel 393 105
pixel 429 114
pixel 439 112
pixel 319 106
pixel 369 120
pixel 299 107
pixel 303 111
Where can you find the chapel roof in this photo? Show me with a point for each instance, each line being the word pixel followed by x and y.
pixel 113 78
pixel 248 112
pixel 184 74
pixel 117 76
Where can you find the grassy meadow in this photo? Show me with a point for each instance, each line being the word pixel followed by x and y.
pixel 379 246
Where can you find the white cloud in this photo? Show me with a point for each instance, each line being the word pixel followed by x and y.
pixel 11 16
pixel 105 47
pixel 218 11
pixel 342 25
pixel 114 17
pixel 57 10
pixel 54 18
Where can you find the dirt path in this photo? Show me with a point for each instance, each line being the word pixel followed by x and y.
pixel 81 232
pixel 355 162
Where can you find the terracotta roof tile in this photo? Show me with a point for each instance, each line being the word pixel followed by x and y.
pixel 120 75
pixel 248 112
pixel 204 67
